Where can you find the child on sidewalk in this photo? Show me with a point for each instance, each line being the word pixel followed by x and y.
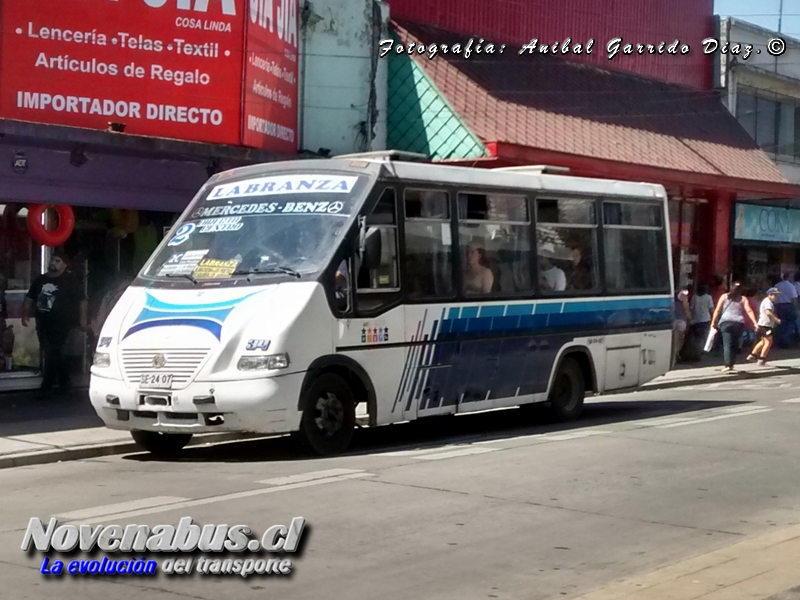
pixel 767 321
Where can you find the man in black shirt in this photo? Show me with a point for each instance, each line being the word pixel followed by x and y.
pixel 58 302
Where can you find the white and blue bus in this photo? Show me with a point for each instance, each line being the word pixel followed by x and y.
pixel 311 296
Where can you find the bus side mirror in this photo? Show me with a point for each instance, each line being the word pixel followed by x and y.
pixel 371 252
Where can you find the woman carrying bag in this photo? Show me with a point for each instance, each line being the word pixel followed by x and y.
pixel 729 320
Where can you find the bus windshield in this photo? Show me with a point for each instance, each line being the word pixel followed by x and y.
pixel 278 224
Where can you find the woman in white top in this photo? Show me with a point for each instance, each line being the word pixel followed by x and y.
pixel 729 320
pixel 767 320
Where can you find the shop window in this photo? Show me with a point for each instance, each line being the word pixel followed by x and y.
pixel 773 121
pixel 766 121
pixel 20 263
pixel 746 112
pixel 566 238
pixel 494 243
pixel 796 139
pixel 785 130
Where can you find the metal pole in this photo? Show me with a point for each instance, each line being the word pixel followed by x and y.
pixel 780 16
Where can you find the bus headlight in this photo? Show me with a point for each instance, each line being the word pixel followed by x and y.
pixel 102 359
pixel 260 363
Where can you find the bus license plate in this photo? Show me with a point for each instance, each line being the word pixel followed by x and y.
pixel 158 380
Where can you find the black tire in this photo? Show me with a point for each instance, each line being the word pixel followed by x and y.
pixel 329 416
pixel 569 390
pixel 161 444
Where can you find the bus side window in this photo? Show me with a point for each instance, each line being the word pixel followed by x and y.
pixel 428 243
pixel 635 247
pixel 494 243
pixel 380 275
pixel 566 236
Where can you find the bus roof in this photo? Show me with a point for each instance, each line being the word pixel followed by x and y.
pixel 387 168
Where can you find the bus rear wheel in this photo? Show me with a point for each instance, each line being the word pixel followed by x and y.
pixel 161 444
pixel 329 416
pixel 569 390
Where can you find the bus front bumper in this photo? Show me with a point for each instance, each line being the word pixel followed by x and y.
pixel 266 405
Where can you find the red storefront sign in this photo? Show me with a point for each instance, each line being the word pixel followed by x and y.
pixel 169 68
pixel 270 75
pixel 166 68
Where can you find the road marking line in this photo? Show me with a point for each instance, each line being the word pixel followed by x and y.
pixel 110 509
pixel 462 452
pixel 717 418
pixel 792 401
pixel 418 451
pixel 557 437
pixel 547 437
pixel 311 476
pixel 223 498
pixel 647 423
pixel 743 409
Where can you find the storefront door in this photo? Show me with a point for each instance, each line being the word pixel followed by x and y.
pixel 21 261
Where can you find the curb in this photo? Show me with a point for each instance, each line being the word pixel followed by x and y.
pixel 719 378
pixel 41 457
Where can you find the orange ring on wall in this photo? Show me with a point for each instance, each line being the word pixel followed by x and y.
pixel 66 224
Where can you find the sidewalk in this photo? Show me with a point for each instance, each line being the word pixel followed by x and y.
pixel 37 431
pixel 34 431
pixel 781 362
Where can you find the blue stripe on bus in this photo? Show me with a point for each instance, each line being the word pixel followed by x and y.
pixel 501 366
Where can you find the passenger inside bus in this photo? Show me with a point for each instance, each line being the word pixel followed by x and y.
pixel 341 287
pixel 478 277
pixel 551 277
pixel 580 277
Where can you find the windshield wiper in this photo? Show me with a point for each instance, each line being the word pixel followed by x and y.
pixel 270 270
pixel 184 275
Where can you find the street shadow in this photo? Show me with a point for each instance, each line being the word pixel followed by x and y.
pixel 28 412
pixel 433 432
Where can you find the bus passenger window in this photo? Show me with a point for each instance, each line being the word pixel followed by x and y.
pixel 566 236
pixel 635 246
pixel 429 245
pixel 494 242
pixel 380 273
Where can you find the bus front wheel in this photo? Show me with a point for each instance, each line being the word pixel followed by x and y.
pixel 329 416
pixel 569 390
pixel 161 444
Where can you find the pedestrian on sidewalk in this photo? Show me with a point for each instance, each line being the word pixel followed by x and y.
pixel 729 319
pixel 683 318
pixel 767 320
pixel 702 307
pixel 57 301
pixel 786 309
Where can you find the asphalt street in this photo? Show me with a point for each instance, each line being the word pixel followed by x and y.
pixel 646 487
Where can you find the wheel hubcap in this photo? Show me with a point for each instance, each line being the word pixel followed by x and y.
pixel 329 414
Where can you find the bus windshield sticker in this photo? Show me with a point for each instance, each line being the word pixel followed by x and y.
pixel 183 233
pixel 209 268
pixel 218 225
pixel 269 208
pixel 181 263
pixel 285 184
